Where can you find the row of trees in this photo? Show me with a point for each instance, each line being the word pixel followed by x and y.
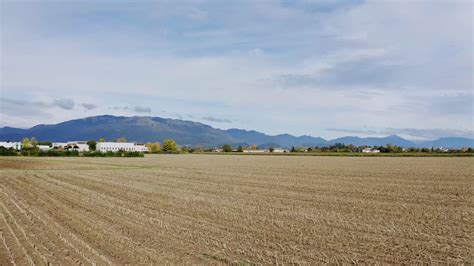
pixel 341 147
pixel 29 143
pixel 170 146
pixel 228 148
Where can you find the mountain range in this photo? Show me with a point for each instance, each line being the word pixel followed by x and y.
pixel 145 128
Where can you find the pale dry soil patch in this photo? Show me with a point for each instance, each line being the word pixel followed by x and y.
pixel 209 209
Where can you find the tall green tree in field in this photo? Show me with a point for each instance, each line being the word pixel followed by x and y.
pixel 170 146
pixel 92 145
pixel 227 148
pixel 271 149
pixel 153 147
pixel 240 149
pixel 33 142
pixel 25 143
pixel 121 139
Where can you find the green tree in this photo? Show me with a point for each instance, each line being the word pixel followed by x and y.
pixel 92 145
pixel 227 148
pixel 47 143
pixel 33 142
pixel 293 149
pixel 25 143
pixel 153 147
pixel 101 140
pixel 271 149
pixel 149 146
pixel 121 139
pixel 394 148
pixel 199 149
pixel 185 149
pixel 170 146
pixel 240 149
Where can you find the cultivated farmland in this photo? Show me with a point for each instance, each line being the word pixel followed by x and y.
pixel 249 209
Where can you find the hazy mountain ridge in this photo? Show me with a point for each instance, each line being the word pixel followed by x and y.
pixel 144 129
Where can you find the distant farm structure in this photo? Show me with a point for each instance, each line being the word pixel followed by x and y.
pixel 80 146
pixel 120 146
pixel 11 145
pixel 370 150
pixel 255 151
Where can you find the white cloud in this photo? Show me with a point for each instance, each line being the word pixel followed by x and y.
pixel 216 119
pixel 66 104
pixel 301 68
pixel 89 106
pixel 142 109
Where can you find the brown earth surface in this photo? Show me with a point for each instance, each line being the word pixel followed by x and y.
pixel 209 209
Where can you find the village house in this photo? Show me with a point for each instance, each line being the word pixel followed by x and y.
pixel 80 146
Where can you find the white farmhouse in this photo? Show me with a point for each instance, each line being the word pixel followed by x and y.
pixel 8 145
pixel 44 147
pixel 140 147
pixel 120 146
pixel 80 146
pixel 279 150
pixel 59 145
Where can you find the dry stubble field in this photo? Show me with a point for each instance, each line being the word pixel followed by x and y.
pixel 251 209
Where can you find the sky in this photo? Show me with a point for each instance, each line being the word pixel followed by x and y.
pixel 326 68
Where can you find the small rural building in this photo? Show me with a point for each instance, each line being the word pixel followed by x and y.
pixel 255 151
pixel 44 147
pixel 120 146
pixel 370 150
pixel 279 150
pixel 80 146
pixel 8 145
pixel 59 145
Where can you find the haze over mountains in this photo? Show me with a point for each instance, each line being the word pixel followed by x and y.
pixel 145 128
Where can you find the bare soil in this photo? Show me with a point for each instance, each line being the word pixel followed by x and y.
pixel 246 209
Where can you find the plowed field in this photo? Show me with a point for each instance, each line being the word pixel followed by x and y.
pixel 221 209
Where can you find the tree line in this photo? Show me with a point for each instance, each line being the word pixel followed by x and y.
pixel 389 148
pixel 30 147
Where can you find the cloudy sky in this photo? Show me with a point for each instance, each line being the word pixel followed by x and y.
pixel 324 68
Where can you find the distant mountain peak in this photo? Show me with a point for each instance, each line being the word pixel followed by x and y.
pixel 148 128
